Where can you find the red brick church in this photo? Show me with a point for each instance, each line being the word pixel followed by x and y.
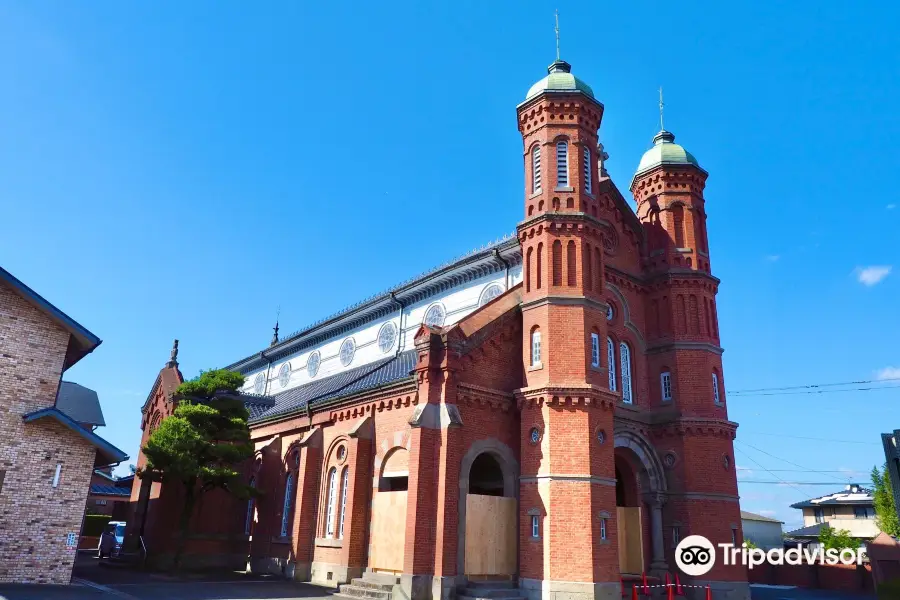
pixel 548 411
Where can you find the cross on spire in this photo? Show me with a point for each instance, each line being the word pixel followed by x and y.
pixel 557 34
pixel 277 318
pixel 661 107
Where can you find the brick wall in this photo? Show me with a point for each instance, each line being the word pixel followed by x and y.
pixel 34 516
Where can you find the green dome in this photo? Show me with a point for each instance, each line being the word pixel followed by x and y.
pixel 665 152
pixel 560 79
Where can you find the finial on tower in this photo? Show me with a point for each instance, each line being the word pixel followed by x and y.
pixel 557 35
pixel 661 107
pixel 602 157
pixel 275 336
pixel 173 355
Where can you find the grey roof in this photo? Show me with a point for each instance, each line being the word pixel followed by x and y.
pixel 353 381
pixel 810 531
pixel 107 454
pixel 85 341
pixel 98 489
pixel 860 497
pixel 749 516
pixel 79 403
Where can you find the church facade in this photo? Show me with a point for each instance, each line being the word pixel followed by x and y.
pixel 548 411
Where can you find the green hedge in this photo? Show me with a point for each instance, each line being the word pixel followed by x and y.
pixel 94 524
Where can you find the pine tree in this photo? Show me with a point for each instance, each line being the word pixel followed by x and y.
pixel 885 511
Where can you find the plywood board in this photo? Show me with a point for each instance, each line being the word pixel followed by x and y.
pixel 631 547
pixel 388 531
pixel 491 535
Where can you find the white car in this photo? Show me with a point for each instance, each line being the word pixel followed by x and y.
pixel 111 539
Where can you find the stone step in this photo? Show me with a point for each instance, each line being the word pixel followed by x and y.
pixel 491 584
pixel 364 592
pixel 385 578
pixel 372 585
pixel 490 592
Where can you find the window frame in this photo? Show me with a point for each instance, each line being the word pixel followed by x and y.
pixel 676 535
pixel 603 530
pixel 535 527
pixel 536 342
pixel 611 359
pixel 595 349
pixel 248 518
pixel 626 369
pixel 287 504
pixel 588 183
pixel 715 383
pixel 330 502
pixel 345 485
pixel 536 183
pixel 562 164
pixel 665 386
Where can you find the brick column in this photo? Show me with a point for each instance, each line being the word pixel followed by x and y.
pixel 303 530
pixel 356 512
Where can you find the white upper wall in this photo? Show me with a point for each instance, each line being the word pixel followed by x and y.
pixel 456 303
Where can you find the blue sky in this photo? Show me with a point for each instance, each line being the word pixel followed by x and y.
pixel 179 170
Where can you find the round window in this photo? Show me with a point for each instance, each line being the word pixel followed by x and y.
pixel 601 436
pixel 259 384
pixel 312 363
pixel 348 349
pixel 490 292
pixel 386 337
pixel 284 374
pixel 610 312
pixel 535 435
pixel 435 315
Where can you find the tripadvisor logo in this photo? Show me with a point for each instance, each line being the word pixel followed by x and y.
pixel 695 555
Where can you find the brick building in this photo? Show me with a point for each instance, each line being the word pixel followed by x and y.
pixel 48 448
pixel 549 409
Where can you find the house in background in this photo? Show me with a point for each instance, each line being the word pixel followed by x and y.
pixel 48 448
pixel 109 495
pixel 765 532
pixel 852 509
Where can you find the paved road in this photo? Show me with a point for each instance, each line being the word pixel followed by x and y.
pixel 786 593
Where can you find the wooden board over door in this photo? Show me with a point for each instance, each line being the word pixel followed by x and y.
pixel 631 547
pixel 388 531
pixel 491 535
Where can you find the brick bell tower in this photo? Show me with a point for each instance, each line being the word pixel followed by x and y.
pixel 567 538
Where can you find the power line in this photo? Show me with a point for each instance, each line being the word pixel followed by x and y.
pixel 781 459
pixel 783 482
pixel 802 471
pixel 817 439
pixel 770 473
pixel 813 385
pixel 860 389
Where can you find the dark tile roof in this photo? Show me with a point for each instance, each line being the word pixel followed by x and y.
pixel 85 340
pixel 353 381
pixel 858 496
pixel 80 403
pixel 107 454
pixel 110 490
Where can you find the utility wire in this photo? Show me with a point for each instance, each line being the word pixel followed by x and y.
pixel 817 439
pixel 860 389
pixel 801 471
pixel 782 459
pixel 780 480
pixel 813 385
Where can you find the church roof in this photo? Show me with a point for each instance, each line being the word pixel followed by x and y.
pixel 559 79
pixel 665 152
pixel 491 258
pixel 361 379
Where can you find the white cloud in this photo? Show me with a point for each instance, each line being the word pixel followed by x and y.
pixel 870 276
pixel 773 257
pixel 891 206
pixel 888 373
pixel 766 513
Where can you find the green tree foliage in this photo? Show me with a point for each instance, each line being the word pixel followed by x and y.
pixel 837 539
pixel 202 444
pixel 885 511
pixel 750 543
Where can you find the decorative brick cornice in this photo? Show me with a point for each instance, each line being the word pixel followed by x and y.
pixel 670 346
pixel 475 395
pixel 565 301
pixel 697 426
pixel 590 396
pixel 371 407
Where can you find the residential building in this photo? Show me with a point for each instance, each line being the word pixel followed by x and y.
pixel 852 509
pixel 763 531
pixel 110 495
pixel 48 447
pixel 550 408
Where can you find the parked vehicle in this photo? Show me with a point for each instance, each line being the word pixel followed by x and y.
pixel 111 539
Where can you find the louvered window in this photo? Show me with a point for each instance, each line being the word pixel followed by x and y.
pixel 562 164
pixel 536 169
pixel 587 170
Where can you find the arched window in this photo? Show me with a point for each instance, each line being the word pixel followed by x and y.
pixel 154 423
pixel 587 170
pixel 586 274
pixel 570 264
pixel 528 270
pixel 557 263
pixel 248 521
pixel 665 385
pixel 329 502
pixel 595 350
pixel 562 164
pixel 678 225
pixel 611 363
pixel 288 503
pixel 345 480
pixel 540 263
pixel 536 169
pixel 535 347
pixel 625 359
pixel 715 382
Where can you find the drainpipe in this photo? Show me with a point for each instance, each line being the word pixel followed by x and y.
pixel 399 324
pixel 506 264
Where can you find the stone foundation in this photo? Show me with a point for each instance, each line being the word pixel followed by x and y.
pixel 546 589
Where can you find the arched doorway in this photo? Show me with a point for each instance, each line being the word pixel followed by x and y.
pixel 640 493
pixel 488 512
pixel 388 529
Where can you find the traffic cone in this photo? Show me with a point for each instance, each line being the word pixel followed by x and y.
pixel 708 592
pixel 670 592
pixel 668 581
pixel 646 590
pixel 622 583
pixel 679 591
pixel 634 592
